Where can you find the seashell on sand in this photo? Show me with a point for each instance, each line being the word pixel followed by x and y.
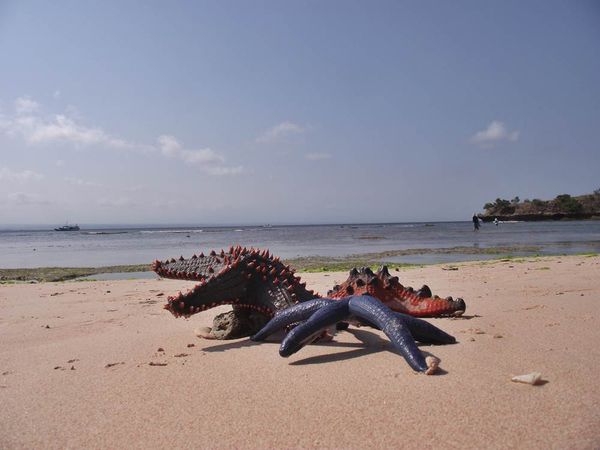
pixel 532 378
pixel 432 364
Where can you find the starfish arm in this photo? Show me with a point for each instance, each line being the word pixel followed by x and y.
pixel 306 332
pixel 395 328
pixel 294 314
pixel 425 332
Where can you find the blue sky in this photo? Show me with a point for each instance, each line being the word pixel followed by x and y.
pixel 293 112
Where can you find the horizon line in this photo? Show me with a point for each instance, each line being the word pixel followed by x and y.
pixel 217 225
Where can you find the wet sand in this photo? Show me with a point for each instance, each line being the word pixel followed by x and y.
pixel 102 365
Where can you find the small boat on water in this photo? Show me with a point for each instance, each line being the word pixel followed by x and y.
pixel 68 228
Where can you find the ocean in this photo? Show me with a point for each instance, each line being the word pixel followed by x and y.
pixel 104 246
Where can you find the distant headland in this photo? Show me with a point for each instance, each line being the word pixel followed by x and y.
pixel 564 206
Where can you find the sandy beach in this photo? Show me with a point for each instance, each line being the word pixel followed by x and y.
pixel 101 365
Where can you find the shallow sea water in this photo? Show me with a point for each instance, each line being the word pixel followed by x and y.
pixel 96 246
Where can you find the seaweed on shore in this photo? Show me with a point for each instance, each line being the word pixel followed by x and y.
pixel 301 264
pixel 376 259
pixel 41 274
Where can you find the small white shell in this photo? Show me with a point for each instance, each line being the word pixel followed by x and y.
pixel 532 378
pixel 432 364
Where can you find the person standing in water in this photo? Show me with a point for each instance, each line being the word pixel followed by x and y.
pixel 475 222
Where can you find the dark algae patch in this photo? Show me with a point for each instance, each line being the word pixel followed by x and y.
pixel 377 259
pixel 64 273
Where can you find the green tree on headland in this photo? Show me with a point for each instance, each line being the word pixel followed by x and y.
pixel 564 205
pixel 568 204
pixel 539 203
pixel 500 206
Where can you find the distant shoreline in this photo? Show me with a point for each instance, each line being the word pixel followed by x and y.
pixel 125 228
pixel 540 217
pixel 564 206
pixel 86 227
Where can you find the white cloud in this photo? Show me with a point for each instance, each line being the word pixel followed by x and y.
pixel 59 128
pixel 20 177
pixel 208 159
pixel 24 105
pixel 169 146
pixel 56 94
pixel 280 132
pixel 37 129
pixel 59 163
pixel 22 198
pixel 317 156
pixel 63 128
pixel 495 132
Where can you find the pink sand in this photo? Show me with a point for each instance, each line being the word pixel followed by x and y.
pixel 75 372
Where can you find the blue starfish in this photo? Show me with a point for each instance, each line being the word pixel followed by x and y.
pixel 316 316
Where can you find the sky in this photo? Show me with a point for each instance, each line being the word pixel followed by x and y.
pixel 293 112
